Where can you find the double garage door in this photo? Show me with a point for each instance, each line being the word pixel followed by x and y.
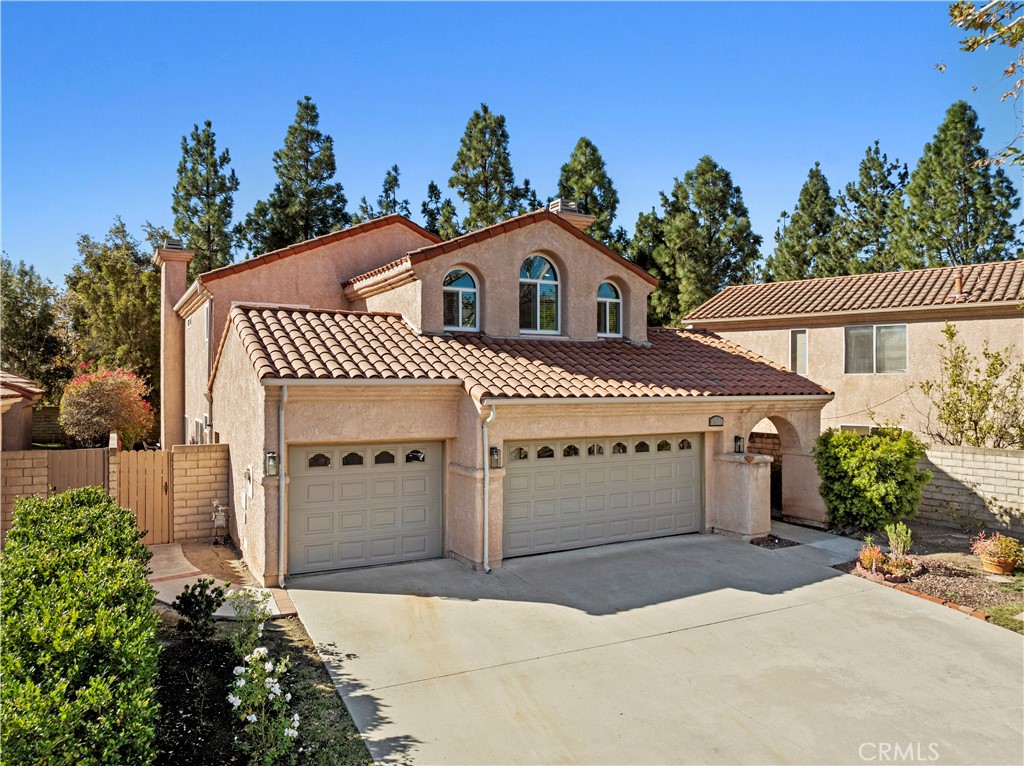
pixel 571 493
pixel 365 504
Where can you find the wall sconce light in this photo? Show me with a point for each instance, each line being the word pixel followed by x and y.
pixel 737 442
pixel 495 457
pixel 716 420
pixel 271 464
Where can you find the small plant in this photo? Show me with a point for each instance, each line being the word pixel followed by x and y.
pixel 899 567
pixel 251 611
pixel 196 605
pixel 269 728
pixel 998 546
pixel 899 539
pixel 870 556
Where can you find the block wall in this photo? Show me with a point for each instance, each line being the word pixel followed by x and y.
pixel 971 485
pixel 200 476
pixel 22 473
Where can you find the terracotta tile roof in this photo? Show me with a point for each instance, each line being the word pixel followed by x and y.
pixel 345 345
pixel 982 283
pixel 518 222
pixel 16 387
pixel 309 244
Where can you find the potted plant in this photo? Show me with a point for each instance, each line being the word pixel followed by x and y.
pixel 998 553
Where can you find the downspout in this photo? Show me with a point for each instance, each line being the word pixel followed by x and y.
pixel 487 491
pixel 281 474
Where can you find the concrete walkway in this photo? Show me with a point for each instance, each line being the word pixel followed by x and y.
pixel 694 649
pixel 171 572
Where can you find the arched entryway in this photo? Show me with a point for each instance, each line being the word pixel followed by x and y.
pixel 793 476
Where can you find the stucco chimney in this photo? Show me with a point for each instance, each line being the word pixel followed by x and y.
pixel 569 210
pixel 172 259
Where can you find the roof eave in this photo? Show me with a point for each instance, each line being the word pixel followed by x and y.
pixel 982 309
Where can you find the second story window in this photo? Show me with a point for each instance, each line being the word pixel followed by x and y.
pixel 798 351
pixel 460 300
pixel 539 309
pixel 878 348
pixel 609 310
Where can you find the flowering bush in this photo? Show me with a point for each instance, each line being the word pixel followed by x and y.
pixel 269 730
pixel 998 547
pixel 251 611
pixel 96 403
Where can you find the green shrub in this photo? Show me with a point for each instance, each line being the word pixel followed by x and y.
pixel 252 609
pixel 79 652
pixel 900 539
pixel 196 605
pixel 870 481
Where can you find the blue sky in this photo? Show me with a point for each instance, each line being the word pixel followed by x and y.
pixel 96 97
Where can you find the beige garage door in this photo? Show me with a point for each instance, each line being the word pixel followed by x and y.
pixel 571 493
pixel 352 505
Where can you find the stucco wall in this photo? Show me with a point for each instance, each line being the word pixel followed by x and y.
pixel 883 396
pixel 198 359
pixel 16 427
pixel 404 300
pixel 496 262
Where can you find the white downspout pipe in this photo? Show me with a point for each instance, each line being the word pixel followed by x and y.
pixel 282 472
pixel 487 491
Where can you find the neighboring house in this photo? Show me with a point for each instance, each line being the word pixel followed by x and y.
pixel 17 398
pixel 388 397
pixel 872 338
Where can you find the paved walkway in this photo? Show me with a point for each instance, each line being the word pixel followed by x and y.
pixel 171 572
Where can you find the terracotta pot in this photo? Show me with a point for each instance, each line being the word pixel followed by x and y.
pixel 999 566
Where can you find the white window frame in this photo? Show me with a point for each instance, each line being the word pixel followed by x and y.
pixel 558 296
pixel 604 304
pixel 458 291
pixel 874 349
pixel 807 339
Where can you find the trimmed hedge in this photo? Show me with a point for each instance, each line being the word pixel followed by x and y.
pixel 79 652
pixel 870 481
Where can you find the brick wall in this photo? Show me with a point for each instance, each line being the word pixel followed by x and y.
pixel 971 485
pixel 765 444
pixel 21 474
pixel 200 477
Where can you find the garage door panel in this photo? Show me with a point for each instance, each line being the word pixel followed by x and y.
pixel 356 505
pixel 632 488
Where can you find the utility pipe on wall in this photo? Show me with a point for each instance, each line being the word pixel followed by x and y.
pixel 281 474
pixel 487 491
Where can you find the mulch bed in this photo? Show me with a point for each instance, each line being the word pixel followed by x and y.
pixel 771 542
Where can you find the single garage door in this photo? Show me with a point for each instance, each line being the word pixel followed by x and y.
pixel 353 505
pixel 571 493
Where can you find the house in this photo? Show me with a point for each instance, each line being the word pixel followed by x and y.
pixel 18 396
pixel 873 338
pixel 387 397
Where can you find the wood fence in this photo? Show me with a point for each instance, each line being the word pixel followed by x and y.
pixel 69 469
pixel 145 486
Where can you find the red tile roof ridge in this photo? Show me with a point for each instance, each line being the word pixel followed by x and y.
pixel 377 271
pixel 310 244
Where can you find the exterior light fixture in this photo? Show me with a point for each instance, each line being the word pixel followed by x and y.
pixel 716 421
pixel 737 443
pixel 270 467
pixel 495 457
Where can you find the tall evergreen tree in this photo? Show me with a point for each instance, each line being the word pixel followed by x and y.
pixel 115 301
pixel 482 172
pixel 203 200
pixel 803 245
pixel 862 232
pixel 387 202
pixel 707 242
pixel 585 180
pixel 305 202
pixel 439 215
pixel 959 209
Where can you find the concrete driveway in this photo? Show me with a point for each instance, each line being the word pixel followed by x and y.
pixel 696 649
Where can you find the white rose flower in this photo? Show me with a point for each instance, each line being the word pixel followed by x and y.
pixel 269 667
pixel 251 718
pixel 238 670
pixel 239 682
pixel 288 697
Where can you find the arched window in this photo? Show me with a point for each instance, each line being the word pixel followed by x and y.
pixel 545 452
pixel 684 444
pixel 352 458
pixel 460 297
pixel 570 450
pixel 383 458
pixel 319 460
pixel 642 447
pixel 609 310
pixel 664 446
pixel 538 296
pixel 619 449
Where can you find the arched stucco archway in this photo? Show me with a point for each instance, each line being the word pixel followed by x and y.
pixel 788 439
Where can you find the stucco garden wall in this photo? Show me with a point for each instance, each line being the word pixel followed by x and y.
pixel 972 486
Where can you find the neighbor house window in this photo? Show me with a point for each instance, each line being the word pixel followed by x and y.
pixel 538 296
pixel 460 301
pixel 878 348
pixel 798 351
pixel 609 310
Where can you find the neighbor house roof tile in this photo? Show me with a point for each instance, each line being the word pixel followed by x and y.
pixel 16 387
pixel 308 344
pixel 1002 281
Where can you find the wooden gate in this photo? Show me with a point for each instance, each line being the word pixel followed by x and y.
pixel 144 486
pixel 73 468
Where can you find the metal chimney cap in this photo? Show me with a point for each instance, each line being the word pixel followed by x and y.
pixel 560 205
pixel 170 243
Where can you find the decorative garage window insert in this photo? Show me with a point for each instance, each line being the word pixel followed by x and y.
pixel 519 453
pixel 571 451
pixel 685 444
pixel 545 452
pixel 384 458
pixel 595 450
pixel 664 446
pixel 415 456
pixel 609 310
pixel 642 447
pixel 352 458
pixel 319 460
pixel 460 301
pixel 538 296
pixel 619 449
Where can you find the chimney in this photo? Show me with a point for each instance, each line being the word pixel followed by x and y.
pixel 172 259
pixel 569 210
pixel 959 282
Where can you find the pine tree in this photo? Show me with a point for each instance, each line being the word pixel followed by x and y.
pixel 482 172
pixel 707 242
pixel 959 209
pixel 862 231
pixel 387 203
pixel 203 200
pixel 305 203
pixel 803 245
pixel 585 180
pixel 439 216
